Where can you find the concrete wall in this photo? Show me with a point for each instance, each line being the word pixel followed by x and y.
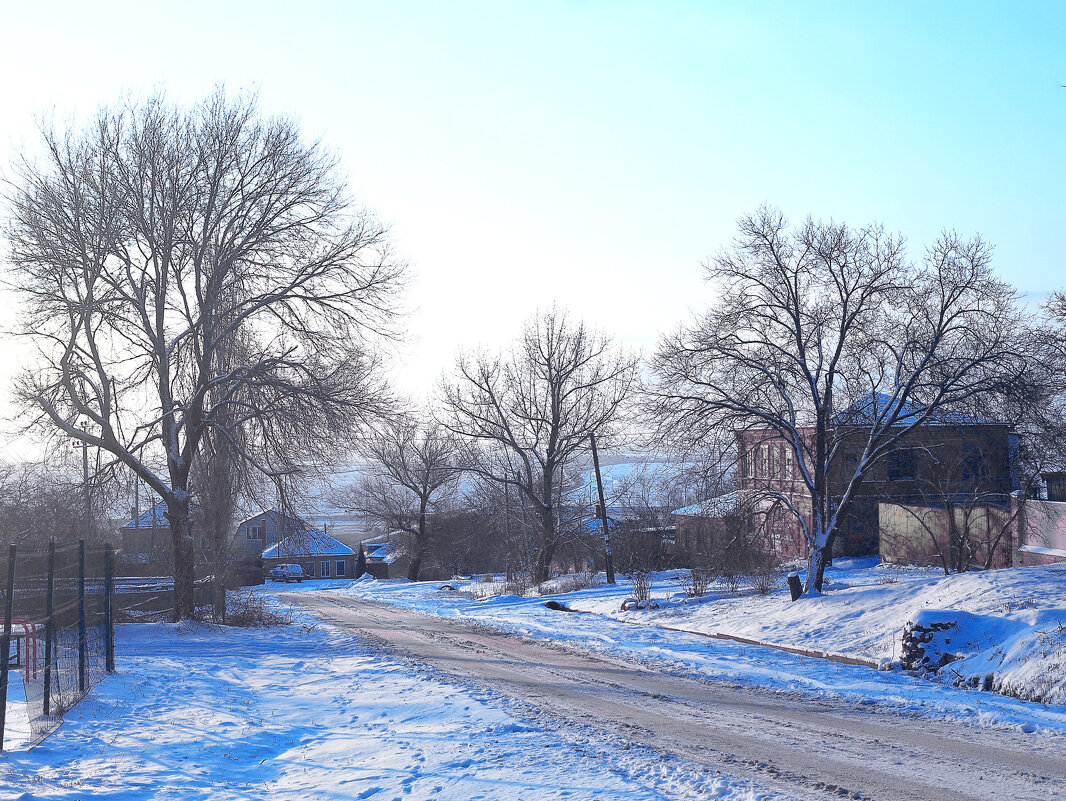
pixel 920 534
pixel 1040 528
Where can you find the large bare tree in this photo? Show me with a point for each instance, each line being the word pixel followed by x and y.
pixel 410 474
pixel 831 338
pixel 147 243
pixel 530 411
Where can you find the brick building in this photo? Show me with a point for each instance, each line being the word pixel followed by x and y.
pixel 932 466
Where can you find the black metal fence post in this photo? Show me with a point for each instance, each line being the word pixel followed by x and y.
pixel 81 617
pixel 109 620
pixel 5 640
pixel 49 626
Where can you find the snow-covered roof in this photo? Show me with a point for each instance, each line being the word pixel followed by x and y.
pixel 272 513
pixel 384 552
pixel 872 406
pixel 595 525
pixel 156 517
pixel 307 543
pixel 719 506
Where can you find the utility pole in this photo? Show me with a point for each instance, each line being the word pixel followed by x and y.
pixel 85 488
pixel 603 513
pixel 85 483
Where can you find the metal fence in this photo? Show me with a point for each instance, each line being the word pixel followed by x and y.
pixel 58 628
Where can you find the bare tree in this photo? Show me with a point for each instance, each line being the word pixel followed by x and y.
pixel 216 490
pixel 529 413
pixel 1042 419
pixel 146 243
pixel 46 500
pixel 827 335
pixel 505 521
pixel 411 475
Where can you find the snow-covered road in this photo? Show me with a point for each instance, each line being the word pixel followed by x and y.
pixel 307 712
pixel 789 742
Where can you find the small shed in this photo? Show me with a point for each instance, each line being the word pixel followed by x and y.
pixel 320 555
pixel 387 559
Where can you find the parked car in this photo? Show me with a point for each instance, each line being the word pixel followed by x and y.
pixel 287 573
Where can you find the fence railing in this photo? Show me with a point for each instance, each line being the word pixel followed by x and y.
pixel 60 600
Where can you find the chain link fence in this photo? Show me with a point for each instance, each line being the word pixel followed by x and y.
pixel 58 628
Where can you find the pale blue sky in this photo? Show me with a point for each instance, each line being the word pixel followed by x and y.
pixel 595 153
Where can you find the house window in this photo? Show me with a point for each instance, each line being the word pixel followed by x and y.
pixel 973 467
pixel 1056 486
pixel 255 532
pixel 340 568
pixel 324 568
pixel 764 461
pixel 902 465
pixel 787 453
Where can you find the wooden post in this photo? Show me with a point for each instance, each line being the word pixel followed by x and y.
pixel 5 640
pixel 109 618
pixel 49 626
pixel 603 513
pixel 81 616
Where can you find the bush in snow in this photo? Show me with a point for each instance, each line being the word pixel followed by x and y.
pixel 766 578
pixel 695 582
pixel 641 581
pixel 571 582
pixel 248 609
pixel 518 584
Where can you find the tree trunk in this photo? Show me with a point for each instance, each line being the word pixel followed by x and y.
pixel 816 563
pixel 421 546
pixel 415 567
pixel 542 567
pixel 546 552
pixel 181 536
pixel 218 594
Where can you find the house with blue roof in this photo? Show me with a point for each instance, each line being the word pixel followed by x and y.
pixel 320 555
pixel 387 558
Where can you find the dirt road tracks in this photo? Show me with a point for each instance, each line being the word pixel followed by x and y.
pixel 799 746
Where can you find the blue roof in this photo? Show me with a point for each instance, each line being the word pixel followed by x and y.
pixel 595 526
pixel 156 517
pixel 307 543
pixel 877 405
pixel 384 552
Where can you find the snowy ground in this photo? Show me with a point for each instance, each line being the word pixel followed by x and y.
pixel 305 712
pixel 1015 628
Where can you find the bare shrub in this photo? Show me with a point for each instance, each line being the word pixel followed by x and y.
pixel 766 578
pixel 732 578
pixel 518 584
pixel 641 581
pixel 248 609
pixel 696 581
pixel 571 582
